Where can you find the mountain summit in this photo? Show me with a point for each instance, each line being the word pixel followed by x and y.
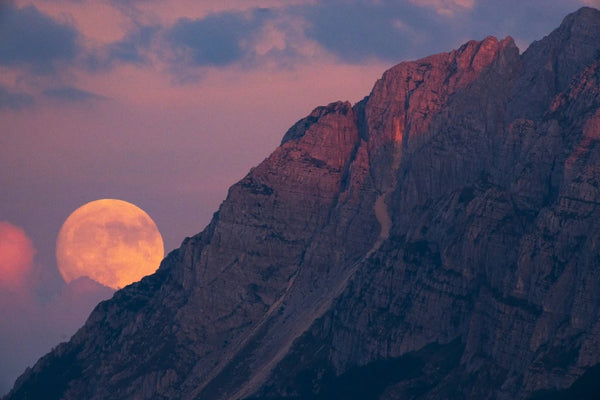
pixel 438 239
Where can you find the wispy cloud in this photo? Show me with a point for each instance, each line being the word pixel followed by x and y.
pixel 359 31
pixel 14 100
pixel 180 44
pixel 215 40
pixel 130 48
pixel 134 48
pixel 70 93
pixel 446 7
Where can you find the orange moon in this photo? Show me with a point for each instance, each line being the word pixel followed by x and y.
pixel 110 241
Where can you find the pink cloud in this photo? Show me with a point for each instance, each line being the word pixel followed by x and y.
pixel 446 7
pixel 16 256
pixel 167 12
pixel 103 22
pixel 98 21
pixel 30 326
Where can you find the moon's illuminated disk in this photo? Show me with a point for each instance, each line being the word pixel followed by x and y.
pixel 110 241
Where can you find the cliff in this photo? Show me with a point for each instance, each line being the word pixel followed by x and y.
pixel 438 239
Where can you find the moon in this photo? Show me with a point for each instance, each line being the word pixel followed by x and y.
pixel 110 241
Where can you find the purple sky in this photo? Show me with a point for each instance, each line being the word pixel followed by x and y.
pixel 166 103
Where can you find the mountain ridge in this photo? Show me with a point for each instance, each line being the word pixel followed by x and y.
pixel 445 225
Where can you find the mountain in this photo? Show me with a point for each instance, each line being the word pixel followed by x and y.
pixel 438 239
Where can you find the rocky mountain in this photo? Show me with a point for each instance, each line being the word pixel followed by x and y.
pixel 438 239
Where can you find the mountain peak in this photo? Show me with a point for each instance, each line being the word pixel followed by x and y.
pixel 550 64
pixel 299 128
pixel 408 98
pixel 584 19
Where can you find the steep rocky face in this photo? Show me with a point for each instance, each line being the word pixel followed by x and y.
pixel 489 245
pixel 551 63
pixel 439 239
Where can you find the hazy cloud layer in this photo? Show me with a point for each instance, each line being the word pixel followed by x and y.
pixel 354 32
pixel 30 326
pixel 446 7
pixel 129 49
pixel 10 99
pixel 132 49
pixel 70 93
pixel 215 40
pixel 361 30
pixel 31 38
pixel 525 21
pixel 358 31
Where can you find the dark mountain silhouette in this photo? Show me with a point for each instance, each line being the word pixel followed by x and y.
pixel 438 239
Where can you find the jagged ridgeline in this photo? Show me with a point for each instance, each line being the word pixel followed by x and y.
pixel 439 239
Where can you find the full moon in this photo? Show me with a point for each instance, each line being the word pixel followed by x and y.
pixel 110 241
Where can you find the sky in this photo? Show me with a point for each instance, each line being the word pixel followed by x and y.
pixel 167 103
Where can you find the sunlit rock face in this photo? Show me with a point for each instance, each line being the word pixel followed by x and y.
pixel 439 239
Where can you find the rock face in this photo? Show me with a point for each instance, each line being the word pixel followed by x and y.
pixel 439 239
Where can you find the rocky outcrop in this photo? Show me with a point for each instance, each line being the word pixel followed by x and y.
pixel 439 239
